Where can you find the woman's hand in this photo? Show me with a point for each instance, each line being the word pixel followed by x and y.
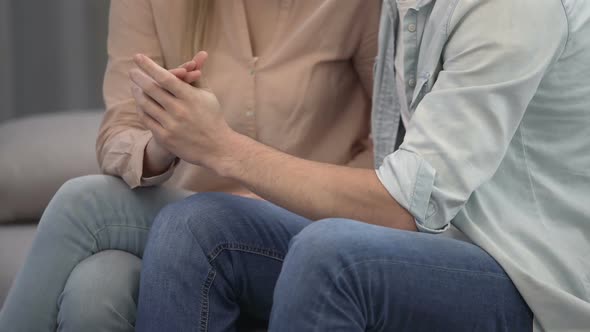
pixel 156 159
pixel 190 71
pixel 183 119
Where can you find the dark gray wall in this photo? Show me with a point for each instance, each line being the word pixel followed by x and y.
pixel 52 55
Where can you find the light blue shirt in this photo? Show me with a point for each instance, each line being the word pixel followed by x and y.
pixel 498 143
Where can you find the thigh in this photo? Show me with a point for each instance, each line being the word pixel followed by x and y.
pixel 438 284
pixel 105 208
pixel 380 279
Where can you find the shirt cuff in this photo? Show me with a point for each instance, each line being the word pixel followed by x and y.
pixel 158 179
pixel 134 175
pixel 410 181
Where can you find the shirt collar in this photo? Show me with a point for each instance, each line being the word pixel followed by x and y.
pixel 419 4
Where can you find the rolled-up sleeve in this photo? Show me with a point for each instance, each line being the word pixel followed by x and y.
pixel 493 63
pixel 122 138
pixel 410 180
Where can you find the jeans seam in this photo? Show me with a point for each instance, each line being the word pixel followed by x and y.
pixel 430 266
pixel 204 319
pixel 269 253
pixel 235 246
pixel 95 234
pixel 211 256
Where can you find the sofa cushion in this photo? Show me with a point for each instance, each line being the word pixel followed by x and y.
pixel 15 242
pixel 38 154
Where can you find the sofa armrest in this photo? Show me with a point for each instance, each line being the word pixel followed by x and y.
pixel 38 154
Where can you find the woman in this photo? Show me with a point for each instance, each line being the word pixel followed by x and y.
pixel 296 75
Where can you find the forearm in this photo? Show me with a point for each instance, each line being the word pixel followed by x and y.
pixel 314 190
pixel 188 123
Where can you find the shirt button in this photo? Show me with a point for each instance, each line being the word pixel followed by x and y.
pixel 412 83
pixel 249 114
pixel 253 66
pixel 412 27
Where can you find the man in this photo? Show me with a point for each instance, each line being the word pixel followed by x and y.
pixel 495 96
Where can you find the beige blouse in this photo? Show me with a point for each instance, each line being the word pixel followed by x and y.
pixel 308 94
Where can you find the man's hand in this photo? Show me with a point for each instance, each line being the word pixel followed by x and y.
pixel 156 158
pixel 184 120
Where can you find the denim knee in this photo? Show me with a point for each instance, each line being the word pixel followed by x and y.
pixel 325 240
pixel 73 196
pixel 206 216
pixel 101 294
pixel 89 186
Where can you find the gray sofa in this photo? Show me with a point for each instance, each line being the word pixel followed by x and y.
pixel 37 155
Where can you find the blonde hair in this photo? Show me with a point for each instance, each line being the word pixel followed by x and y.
pixel 197 12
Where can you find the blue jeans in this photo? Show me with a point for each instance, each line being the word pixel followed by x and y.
pixel 72 280
pixel 212 257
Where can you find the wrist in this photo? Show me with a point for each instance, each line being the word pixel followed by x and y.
pixel 158 153
pixel 232 156
pixel 156 159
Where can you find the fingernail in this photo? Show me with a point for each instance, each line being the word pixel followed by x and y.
pixel 138 58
